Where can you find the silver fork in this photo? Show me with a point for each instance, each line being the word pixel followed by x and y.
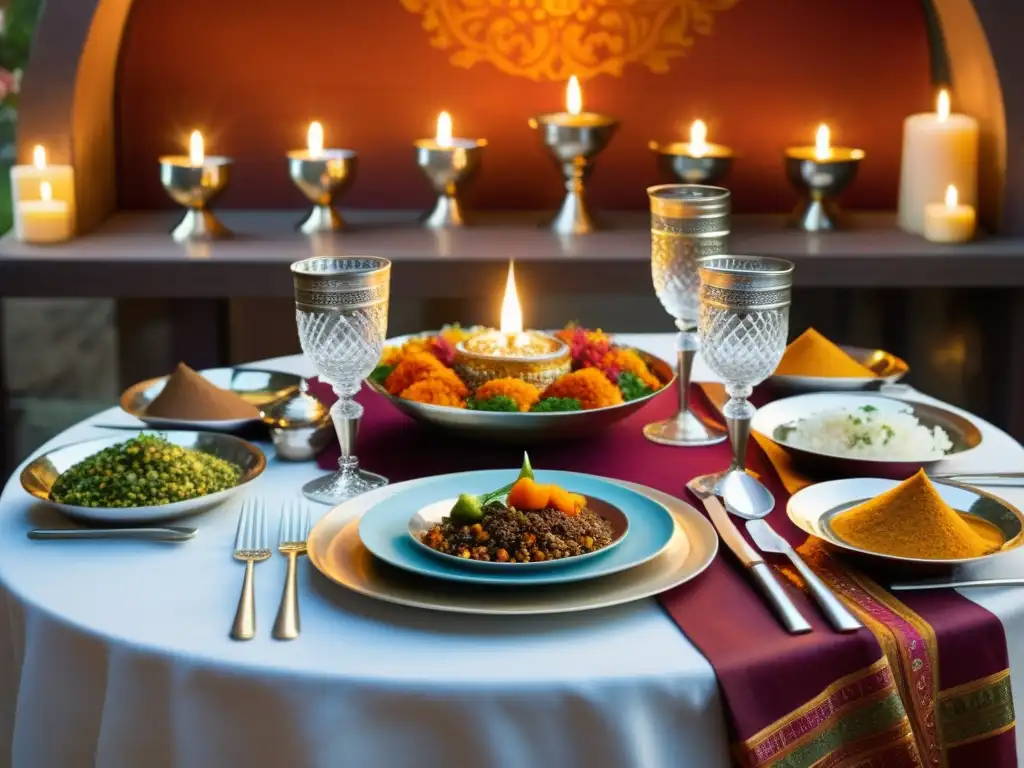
pixel 291 544
pixel 251 545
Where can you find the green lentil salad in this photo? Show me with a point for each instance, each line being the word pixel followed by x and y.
pixel 144 471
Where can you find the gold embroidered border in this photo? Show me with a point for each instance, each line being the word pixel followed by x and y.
pixel 977 710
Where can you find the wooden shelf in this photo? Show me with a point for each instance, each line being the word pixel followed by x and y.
pixel 131 255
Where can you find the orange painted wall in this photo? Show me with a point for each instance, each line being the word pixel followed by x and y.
pixel 251 74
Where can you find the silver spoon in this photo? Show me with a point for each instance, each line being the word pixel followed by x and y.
pixel 746 497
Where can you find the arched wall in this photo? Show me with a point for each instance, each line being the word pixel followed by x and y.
pixel 78 98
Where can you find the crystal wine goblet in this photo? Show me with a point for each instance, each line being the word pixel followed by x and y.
pixel 744 321
pixel 341 310
pixel 688 221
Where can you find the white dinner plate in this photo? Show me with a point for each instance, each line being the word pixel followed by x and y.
pixel 336 551
pixel 811 509
pixel 773 420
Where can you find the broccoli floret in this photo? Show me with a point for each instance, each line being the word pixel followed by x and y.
pixel 632 386
pixel 557 405
pixel 381 373
pixel 502 403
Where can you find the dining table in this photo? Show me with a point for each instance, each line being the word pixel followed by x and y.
pixel 117 653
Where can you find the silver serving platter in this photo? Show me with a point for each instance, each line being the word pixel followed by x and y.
pixel 259 387
pixel 887 367
pixel 40 474
pixel 771 421
pixel 426 518
pixel 526 428
pixel 813 508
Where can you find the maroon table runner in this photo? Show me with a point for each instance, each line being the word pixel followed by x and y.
pixel 927 685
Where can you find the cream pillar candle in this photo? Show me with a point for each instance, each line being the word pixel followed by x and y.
pixel 26 182
pixel 44 220
pixel 939 149
pixel 949 221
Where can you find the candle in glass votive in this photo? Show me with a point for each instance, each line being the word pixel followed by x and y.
pixel 44 220
pixel 939 148
pixel 27 180
pixel 949 221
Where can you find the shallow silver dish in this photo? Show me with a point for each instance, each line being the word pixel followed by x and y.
pixel 771 421
pixel 525 428
pixel 813 508
pixel 887 367
pixel 431 514
pixel 39 475
pixel 259 387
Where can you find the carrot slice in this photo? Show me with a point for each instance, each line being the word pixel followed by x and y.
pixel 528 495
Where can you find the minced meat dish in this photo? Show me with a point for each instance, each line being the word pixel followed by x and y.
pixel 506 535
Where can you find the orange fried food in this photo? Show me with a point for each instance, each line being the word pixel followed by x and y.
pixel 527 495
pixel 420 366
pixel 391 356
pixel 523 393
pixel 433 392
pixel 628 360
pixel 588 385
pixel 567 503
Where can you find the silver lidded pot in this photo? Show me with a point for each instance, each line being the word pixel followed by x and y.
pixel 300 425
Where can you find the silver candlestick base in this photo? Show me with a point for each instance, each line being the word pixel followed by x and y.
pixel 195 186
pixel 323 178
pixel 448 169
pixel 820 182
pixel 574 141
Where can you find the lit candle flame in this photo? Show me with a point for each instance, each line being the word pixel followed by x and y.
pixel 45 192
pixel 698 138
pixel 195 149
pixel 573 96
pixel 511 312
pixel 952 197
pixel 942 105
pixel 444 130
pixel 315 140
pixel 822 143
pixel 39 156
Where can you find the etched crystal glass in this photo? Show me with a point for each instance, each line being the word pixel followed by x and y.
pixel 688 221
pixel 744 322
pixel 341 310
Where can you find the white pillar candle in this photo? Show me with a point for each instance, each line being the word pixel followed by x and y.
pixel 949 221
pixel 26 183
pixel 44 220
pixel 939 149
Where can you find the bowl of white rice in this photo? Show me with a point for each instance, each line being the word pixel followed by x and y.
pixel 848 435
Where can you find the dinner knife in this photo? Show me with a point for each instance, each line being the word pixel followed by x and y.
pixel 945 584
pixel 791 618
pixel 170 533
pixel 770 541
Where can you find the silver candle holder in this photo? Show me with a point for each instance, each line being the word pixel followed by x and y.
pixel 195 185
pixel 448 166
pixel 682 162
pixel 820 177
pixel 575 140
pixel 323 177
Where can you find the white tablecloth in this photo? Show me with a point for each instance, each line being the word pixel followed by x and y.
pixel 117 654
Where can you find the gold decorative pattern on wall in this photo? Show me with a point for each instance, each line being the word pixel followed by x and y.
pixel 553 39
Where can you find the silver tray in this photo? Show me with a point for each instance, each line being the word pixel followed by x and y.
pixel 40 474
pixel 526 428
pixel 259 387
pixel 887 367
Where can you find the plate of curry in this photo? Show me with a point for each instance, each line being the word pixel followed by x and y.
pixel 813 363
pixel 916 522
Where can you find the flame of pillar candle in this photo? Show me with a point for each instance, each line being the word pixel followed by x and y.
pixel 511 312
pixel 952 197
pixel 822 143
pixel 39 156
pixel 195 149
pixel 45 192
pixel 315 140
pixel 942 105
pixel 444 130
pixel 698 138
pixel 573 96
